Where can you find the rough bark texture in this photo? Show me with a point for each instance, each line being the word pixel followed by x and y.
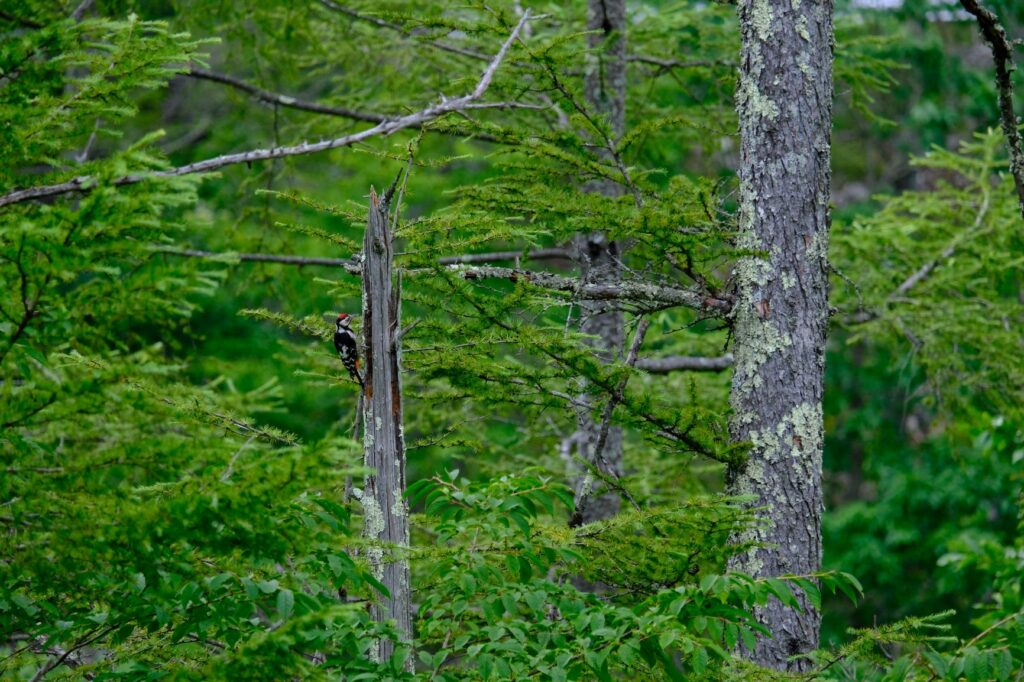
pixel 385 511
pixel 781 314
pixel 605 92
pixel 1002 55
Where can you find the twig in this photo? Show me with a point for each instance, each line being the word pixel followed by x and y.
pixel 42 672
pixel 584 493
pixel 82 8
pixel 609 144
pixel 376 21
pixel 677 64
pixel 27 23
pixel 87 183
pixel 536 254
pixel 685 363
pixel 1002 54
pixel 926 269
pixel 284 100
pixel 317 108
pixel 230 468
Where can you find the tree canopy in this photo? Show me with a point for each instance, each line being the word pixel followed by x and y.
pixel 184 195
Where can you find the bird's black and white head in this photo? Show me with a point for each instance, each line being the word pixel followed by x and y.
pixel 344 322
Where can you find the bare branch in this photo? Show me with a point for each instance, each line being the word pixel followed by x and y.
pixel 636 292
pixel 1002 54
pixel 350 266
pixel 641 292
pixel 536 254
pixel 341 112
pixel 677 64
pixel 685 363
pixel 353 268
pixel 382 129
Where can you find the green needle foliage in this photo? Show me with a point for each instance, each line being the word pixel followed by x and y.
pixel 175 433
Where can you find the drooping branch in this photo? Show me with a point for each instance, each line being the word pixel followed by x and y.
pixel 1002 54
pixel 383 129
pixel 686 363
pixel 631 291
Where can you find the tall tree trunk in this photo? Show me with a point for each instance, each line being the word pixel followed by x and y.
pixel 605 92
pixel 784 103
pixel 385 511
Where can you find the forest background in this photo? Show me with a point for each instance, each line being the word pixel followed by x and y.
pixel 180 478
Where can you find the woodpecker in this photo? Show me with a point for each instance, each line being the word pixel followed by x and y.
pixel 348 349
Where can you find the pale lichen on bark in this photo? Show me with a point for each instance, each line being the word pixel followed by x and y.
pixel 385 514
pixel 779 319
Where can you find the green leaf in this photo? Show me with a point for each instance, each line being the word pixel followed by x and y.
pixel 285 603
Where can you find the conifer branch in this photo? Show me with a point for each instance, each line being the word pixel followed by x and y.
pixel 663 429
pixel 925 270
pixel 640 292
pixel 585 491
pixel 608 143
pixel 685 363
pixel 385 128
pixel 1002 54
pixel 632 291
pixel 536 254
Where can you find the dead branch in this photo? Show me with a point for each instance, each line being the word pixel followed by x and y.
pixel 686 363
pixel 385 128
pixel 315 107
pixel 1002 54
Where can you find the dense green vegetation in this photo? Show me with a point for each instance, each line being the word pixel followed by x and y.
pixel 176 431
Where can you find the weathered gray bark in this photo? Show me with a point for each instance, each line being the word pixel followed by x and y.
pixel 605 92
pixel 781 314
pixel 385 511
